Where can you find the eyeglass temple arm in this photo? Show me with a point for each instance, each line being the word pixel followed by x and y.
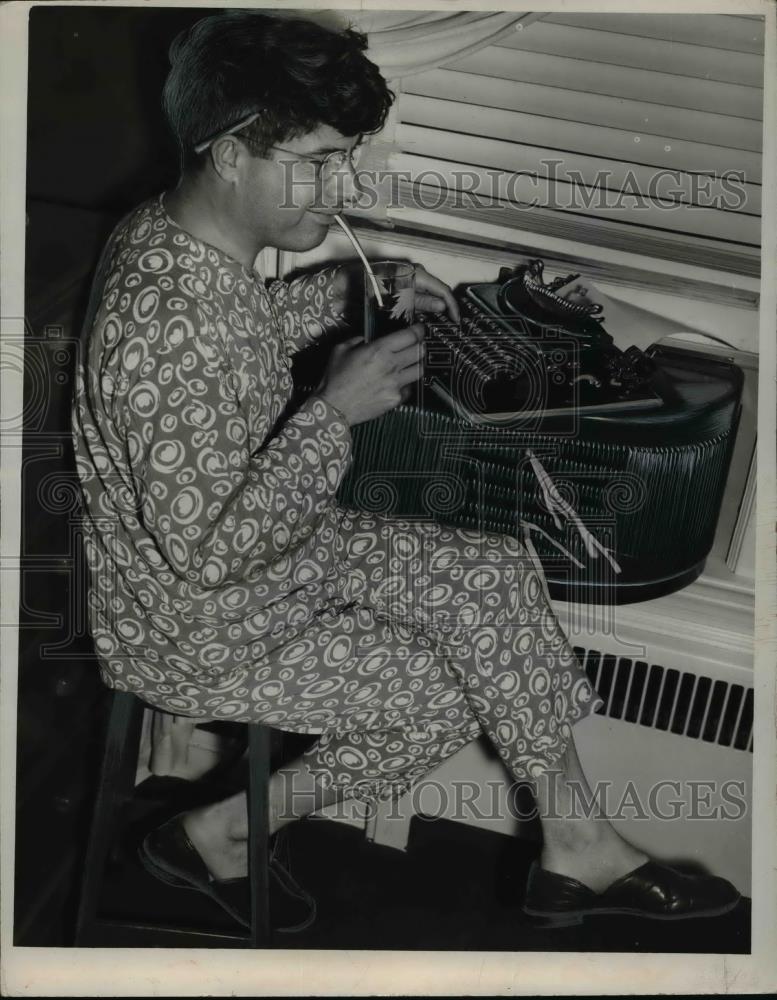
pixel 243 123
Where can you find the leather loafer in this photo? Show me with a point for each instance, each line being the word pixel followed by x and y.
pixel 653 891
pixel 168 854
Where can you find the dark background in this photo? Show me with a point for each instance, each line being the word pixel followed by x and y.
pixel 96 135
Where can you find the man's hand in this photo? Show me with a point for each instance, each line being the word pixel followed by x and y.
pixel 432 295
pixel 365 381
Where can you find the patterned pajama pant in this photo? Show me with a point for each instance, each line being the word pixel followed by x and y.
pixel 443 634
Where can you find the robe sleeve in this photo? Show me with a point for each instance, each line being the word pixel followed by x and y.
pixel 308 307
pixel 221 512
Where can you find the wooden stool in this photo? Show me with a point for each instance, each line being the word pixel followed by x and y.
pixel 116 788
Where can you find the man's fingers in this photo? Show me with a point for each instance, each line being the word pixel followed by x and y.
pixel 411 355
pixel 401 339
pixel 431 303
pixel 431 288
pixel 408 375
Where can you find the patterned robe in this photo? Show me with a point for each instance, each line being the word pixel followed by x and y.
pixel 225 580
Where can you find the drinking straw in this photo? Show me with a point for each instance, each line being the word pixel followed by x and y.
pixel 357 247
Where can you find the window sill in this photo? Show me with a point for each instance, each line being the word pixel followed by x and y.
pixel 727 275
pixel 710 621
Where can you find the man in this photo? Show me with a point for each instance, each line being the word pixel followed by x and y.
pixel 227 583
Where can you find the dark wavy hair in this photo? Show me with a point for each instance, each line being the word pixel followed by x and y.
pixel 298 74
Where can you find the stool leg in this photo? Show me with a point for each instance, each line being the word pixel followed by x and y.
pixel 258 833
pixel 117 780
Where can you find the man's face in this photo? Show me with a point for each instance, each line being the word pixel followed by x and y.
pixel 285 201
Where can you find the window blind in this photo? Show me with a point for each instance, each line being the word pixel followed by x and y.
pixel 637 131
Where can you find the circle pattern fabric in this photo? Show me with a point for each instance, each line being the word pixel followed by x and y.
pixel 225 580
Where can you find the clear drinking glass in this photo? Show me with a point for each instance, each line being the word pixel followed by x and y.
pixel 397 285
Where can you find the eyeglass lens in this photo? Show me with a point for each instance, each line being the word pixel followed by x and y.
pixel 338 158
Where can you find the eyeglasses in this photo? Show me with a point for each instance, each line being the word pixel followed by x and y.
pixel 325 166
pixel 328 165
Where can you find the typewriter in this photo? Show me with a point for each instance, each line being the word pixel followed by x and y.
pixel 523 349
pixel 530 418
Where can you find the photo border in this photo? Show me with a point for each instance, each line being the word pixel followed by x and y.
pixel 33 971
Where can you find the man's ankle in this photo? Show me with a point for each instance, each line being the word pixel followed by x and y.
pixel 578 836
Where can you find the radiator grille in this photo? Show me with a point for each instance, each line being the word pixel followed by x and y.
pixel 666 699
